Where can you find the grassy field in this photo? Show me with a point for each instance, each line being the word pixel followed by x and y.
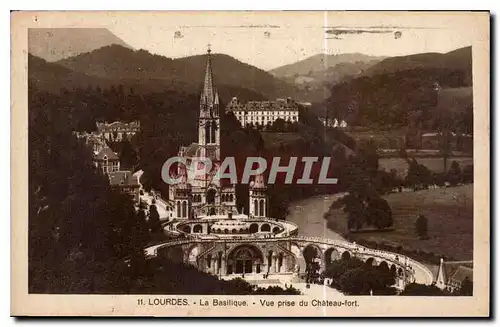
pixel 392 139
pixel 450 222
pixel 434 164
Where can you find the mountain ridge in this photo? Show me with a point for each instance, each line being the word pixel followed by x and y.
pixel 53 44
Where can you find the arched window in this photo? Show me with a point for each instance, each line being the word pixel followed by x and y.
pixel 261 208
pixel 254 228
pixel 197 229
pixel 212 136
pixel 184 209
pixel 207 132
pixel 211 196
pixel 265 228
pixel 256 207
pixel 230 197
pixel 178 208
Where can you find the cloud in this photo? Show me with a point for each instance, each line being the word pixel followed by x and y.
pixel 345 31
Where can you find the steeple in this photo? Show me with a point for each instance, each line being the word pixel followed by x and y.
pixel 209 94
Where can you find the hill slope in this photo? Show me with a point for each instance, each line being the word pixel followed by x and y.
pixel 53 77
pixel 122 64
pixel 53 44
pixel 319 63
pixel 458 60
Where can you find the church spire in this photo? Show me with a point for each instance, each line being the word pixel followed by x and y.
pixel 208 88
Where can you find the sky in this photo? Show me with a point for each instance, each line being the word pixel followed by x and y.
pixel 272 39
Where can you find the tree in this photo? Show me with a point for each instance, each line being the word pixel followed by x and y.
pixel 466 288
pixel 454 174
pixel 415 289
pixel 421 227
pixel 445 148
pixel 418 176
pixel 468 174
pixel 378 213
pixel 154 219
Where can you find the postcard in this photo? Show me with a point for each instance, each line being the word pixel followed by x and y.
pixel 257 163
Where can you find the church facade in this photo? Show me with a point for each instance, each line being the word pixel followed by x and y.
pixel 205 194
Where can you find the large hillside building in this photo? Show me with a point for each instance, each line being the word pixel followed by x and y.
pixel 264 112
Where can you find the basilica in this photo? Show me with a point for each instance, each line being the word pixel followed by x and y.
pixel 210 234
pixel 207 195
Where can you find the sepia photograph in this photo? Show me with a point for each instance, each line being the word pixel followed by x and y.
pixel 283 162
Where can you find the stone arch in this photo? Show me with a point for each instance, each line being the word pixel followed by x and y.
pixel 254 228
pixel 265 228
pixel 331 254
pixel 346 255
pixel 280 262
pixel 276 229
pixel 371 261
pixel 184 209
pixel 310 252
pixel 269 259
pixel 186 229
pixel 383 265
pixel 226 231
pixel 245 258
pixel 197 228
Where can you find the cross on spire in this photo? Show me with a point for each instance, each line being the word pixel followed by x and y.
pixel 208 46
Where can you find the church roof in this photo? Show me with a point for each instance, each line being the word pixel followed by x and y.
pixel 461 273
pixel 123 178
pixel 209 96
pixel 106 153
pixel 456 270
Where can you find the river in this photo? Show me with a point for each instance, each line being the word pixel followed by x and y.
pixel 308 215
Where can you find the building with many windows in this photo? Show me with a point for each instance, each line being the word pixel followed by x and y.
pixel 118 131
pixel 263 113
pixel 106 160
